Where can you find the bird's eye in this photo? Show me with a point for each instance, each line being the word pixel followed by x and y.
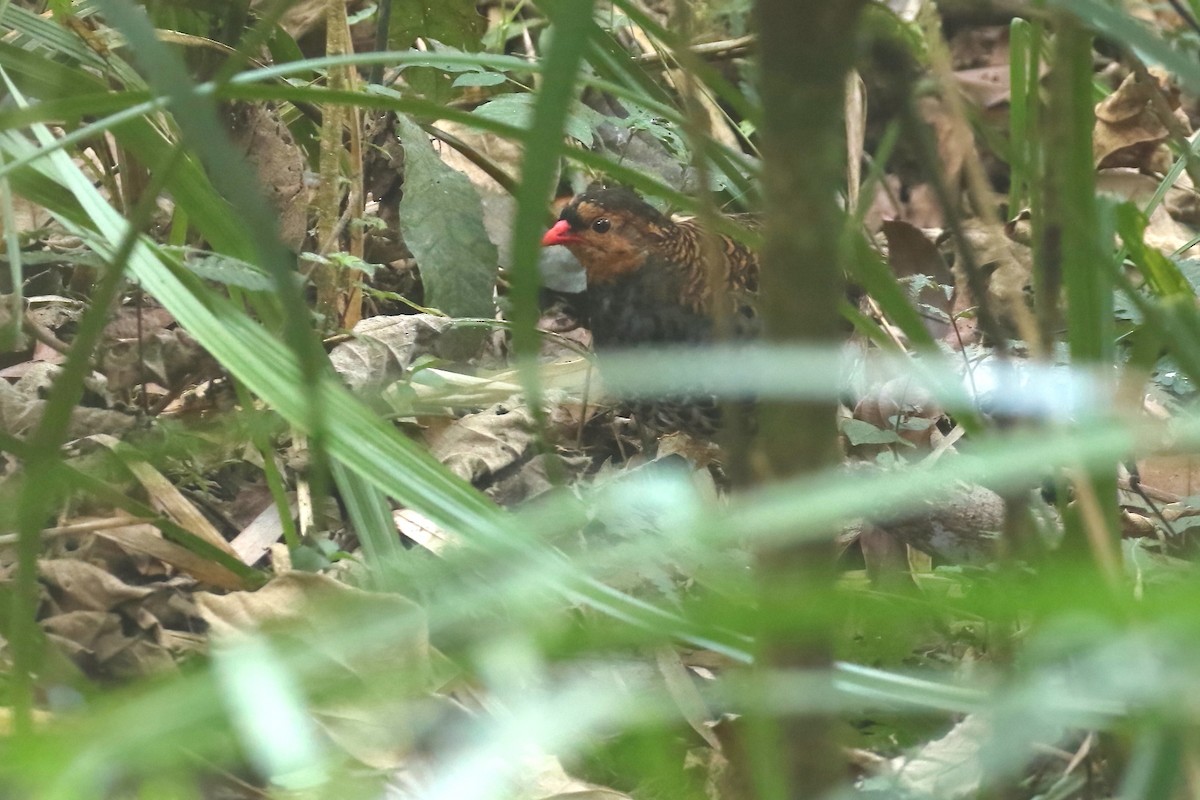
pixel 601 225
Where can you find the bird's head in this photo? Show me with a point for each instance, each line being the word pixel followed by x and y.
pixel 611 231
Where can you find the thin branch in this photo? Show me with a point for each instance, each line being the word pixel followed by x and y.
pixel 712 51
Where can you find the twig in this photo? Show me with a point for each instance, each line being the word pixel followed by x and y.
pixel 81 527
pixel 713 51
pixel 1161 495
pixel 1134 484
pixel 43 334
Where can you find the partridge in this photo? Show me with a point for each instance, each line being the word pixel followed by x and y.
pixel 647 280
pixel 648 284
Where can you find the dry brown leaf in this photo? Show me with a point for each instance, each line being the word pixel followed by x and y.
pixel 1179 475
pixel 904 408
pixel 698 452
pixel 479 446
pixel 79 586
pixel 260 133
pixel 84 635
pixel 912 252
pixel 1163 231
pixel 385 347
pixel 920 207
pixel 542 777
pixel 21 408
pixel 167 356
pixel 166 498
pixel 1009 266
pixel 148 540
pixel 375 725
pixel 380 736
pixel 1129 131
pixel 951 148
pixel 988 86
pixel 128 322
pixel 97 643
pixel 305 603
pixel 588 794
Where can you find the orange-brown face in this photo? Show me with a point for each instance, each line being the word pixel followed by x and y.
pixel 610 231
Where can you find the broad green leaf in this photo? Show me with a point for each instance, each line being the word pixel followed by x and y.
pixel 453 22
pixel 862 432
pixel 480 79
pixel 231 272
pixel 517 110
pixel 442 221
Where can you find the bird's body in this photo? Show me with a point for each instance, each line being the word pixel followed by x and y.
pixel 649 283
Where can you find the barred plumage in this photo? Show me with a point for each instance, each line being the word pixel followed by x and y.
pixel 640 262
pixel 649 284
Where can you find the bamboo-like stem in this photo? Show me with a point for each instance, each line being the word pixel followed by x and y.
pixel 805 57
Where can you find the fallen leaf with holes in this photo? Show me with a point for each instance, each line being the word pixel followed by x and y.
pixel 384 348
pixel 1008 267
pixel 109 629
pixel 478 447
pixel 21 407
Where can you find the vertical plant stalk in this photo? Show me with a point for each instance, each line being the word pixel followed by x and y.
pixel 11 336
pixel 806 53
pixel 1022 88
pixel 383 26
pixel 697 130
pixel 338 296
pixel 355 211
pixel 1071 247
pixel 543 146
